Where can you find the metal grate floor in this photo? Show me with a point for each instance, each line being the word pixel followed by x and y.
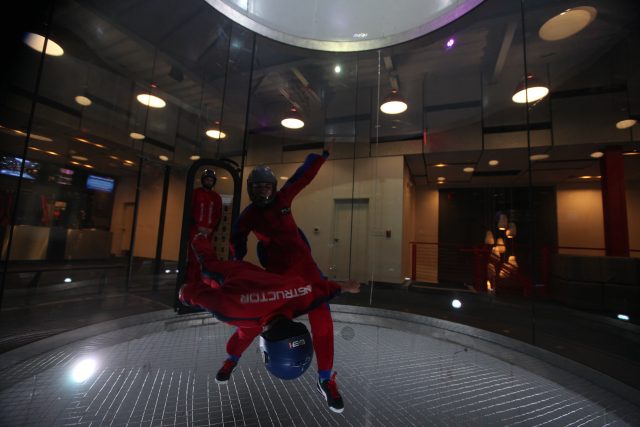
pixel 163 374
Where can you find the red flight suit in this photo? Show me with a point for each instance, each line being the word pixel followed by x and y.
pixel 286 252
pixel 245 295
pixel 206 211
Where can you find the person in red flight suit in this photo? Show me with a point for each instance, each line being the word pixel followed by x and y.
pixel 245 295
pixel 283 247
pixel 206 211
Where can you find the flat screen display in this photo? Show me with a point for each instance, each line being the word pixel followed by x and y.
pixel 10 165
pixel 100 183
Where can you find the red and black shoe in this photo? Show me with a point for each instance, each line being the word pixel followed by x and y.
pixel 224 373
pixel 329 389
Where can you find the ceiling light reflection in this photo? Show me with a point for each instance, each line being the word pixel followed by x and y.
pixel 151 100
pixel 36 42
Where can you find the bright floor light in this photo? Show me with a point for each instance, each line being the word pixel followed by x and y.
pixel 456 303
pixel 83 370
pixel 623 317
pixel 67 280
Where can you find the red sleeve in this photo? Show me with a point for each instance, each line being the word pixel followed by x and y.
pixel 302 177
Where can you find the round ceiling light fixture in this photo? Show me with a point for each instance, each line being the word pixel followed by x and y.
pixel 394 103
pixel 626 124
pixel 567 23
pixel 530 91
pixel 215 134
pixel 293 120
pixel 36 42
pixel 83 100
pixel 151 100
pixel 136 135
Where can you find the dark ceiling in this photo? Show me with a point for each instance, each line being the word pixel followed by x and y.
pixel 200 63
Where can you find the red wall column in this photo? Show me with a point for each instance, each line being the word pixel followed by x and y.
pixel 614 203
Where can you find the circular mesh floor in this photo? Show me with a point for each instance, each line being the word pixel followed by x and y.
pixel 162 373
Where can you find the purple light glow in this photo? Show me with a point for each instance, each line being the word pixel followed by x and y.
pixel 450 43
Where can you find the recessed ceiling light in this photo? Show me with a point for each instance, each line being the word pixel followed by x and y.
pixel 163 158
pixel 568 23
pixel 136 135
pixel 216 134
pixel 441 182
pixel 114 157
pixel 586 177
pixel 597 154
pixel 81 158
pixel 284 178
pixel 493 162
pixel 626 124
pixel 36 42
pixel 542 156
pixel 128 163
pixel 440 165
pixel 337 69
pixel 630 153
pixel 151 100
pixel 83 100
pixel 441 178
pixel 88 166
pixel 468 169
pixel 194 157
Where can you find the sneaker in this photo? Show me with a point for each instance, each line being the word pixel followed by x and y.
pixel 225 372
pixel 329 389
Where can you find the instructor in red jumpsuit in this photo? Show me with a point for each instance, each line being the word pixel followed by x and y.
pixel 244 295
pixel 206 211
pixel 283 248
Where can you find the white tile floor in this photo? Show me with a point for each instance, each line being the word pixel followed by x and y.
pixel 161 373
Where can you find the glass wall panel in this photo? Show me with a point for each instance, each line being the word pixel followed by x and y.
pixel 508 212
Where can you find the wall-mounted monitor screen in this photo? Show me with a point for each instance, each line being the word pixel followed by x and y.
pixel 100 183
pixel 10 165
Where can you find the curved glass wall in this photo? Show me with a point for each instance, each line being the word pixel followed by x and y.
pixel 473 205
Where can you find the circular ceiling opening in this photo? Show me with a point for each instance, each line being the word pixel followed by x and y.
pixel 339 26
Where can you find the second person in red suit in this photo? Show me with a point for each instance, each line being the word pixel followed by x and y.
pixel 206 211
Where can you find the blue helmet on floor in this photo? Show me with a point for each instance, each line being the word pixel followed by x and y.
pixel 287 349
